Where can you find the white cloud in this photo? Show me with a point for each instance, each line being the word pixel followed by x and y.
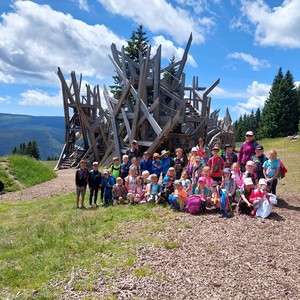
pixel 6 78
pixel 169 49
pixel 277 26
pixel 4 100
pixel 254 62
pixel 160 16
pixel 83 4
pixel 40 98
pixel 35 40
pixel 257 94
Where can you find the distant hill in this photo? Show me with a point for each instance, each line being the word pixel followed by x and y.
pixel 48 132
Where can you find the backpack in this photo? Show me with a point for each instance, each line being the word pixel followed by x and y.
pixel 226 207
pixel 283 169
pixel 195 204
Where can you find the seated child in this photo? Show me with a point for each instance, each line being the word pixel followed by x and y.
pixel 179 198
pixel 202 190
pixel 244 205
pixel 214 199
pixel 186 183
pixel 257 195
pixel 155 189
pixel 206 174
pixel 167 190
pixel 137 194
pixel 119 192
pixel 249 173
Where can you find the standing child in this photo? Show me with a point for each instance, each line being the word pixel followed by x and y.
pixel 271 169
pixel 205 157
pixel 196 173
pixel 228 184
pixel 119 192
pixel 125 167
pixel 115 168
pixel 216 164
pixel 250 172
pixel 134 162
pixel 179 163
pixel 146 163
pixel 191 161
pixel 259 158
pixel 166 162
pixel 107 184
pixel 229 156
pixel 94 184
pixel 81 181
pixel 156 165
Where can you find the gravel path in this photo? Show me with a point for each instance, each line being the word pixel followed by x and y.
pixel 64 183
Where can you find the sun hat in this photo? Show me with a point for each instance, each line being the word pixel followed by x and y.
pixel 164 152
pixel 227 170
pixel 262 181
pixel 250 133
pixel 248 181
pixel 202 179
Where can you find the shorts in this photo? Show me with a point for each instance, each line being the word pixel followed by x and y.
pixel 80 190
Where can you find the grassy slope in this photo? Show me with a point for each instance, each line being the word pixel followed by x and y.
pixel 45 239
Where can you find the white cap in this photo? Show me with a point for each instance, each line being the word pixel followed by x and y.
pixel 262 181
pixel 248 181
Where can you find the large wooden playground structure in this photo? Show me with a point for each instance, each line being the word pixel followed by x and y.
pixel 155 107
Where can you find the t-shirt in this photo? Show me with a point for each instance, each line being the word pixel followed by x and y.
pixel 271 167
pixel 204 193
pixel 216 165
pixel 155 188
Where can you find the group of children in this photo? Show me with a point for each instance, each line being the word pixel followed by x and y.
pixel 163 179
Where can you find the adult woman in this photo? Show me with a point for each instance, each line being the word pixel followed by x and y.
pixel 201 147
pixel 247 149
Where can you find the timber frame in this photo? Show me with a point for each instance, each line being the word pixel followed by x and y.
pixel 155 108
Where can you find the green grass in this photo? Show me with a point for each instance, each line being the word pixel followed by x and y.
pixel 9 184
pixel 45 239
pixel 49 163
pixel 29 171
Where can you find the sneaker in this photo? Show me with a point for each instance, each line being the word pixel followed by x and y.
pixel 96 205
pixel 253 213
pixel 77 207
pixel 82 207
pixel 91 206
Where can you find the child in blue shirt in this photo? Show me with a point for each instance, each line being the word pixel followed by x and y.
pixel 107 184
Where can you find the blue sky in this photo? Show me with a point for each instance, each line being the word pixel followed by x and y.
pixel 242 42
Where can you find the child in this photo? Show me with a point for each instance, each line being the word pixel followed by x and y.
pixel 214 198
pixel 81 181
pixel 205 157
pixel 237 175
pixel 145 176
pixel 206 174
pixel 257 195
pixel 119 192
pixel 271 169
pixel 166 162
pixel 191 161
pixel 156 165
pixel 137 194
pixel 179 163
pixel 125 167
pixel 201 189
pixel 171 174
pixel 249 173
pixel 107 184
pixel 259 158
pixel 146 163
pixel 196 173
pixel 179 198
pixel 130 179
pixel 201 147
pixel 244 205
pixel 229 156
pixel 94 184
pixel 186 183
pixel 155 189
pixel 217 144
pixel 134 162
pixel 216 164
pixel 167 190
pixel 228 184
pixel 115 168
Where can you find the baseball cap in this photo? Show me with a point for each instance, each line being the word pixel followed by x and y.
pixel 227 146
pixel 214 183
pixel 95 163
pixel 166 180
pixel 259 148
pixel 194 149
pixel 249 133
pixel 202 179
pixel 262 181
pixel 215 148
pixel 227 170
pixel 248 181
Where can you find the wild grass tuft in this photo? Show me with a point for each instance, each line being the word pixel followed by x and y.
pixel 29 171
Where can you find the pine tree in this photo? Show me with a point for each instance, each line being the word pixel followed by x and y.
pixel 15 151
pixel 171 74
pixel 268 125
pixel 35 151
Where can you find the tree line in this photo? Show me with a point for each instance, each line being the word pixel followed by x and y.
pixel 30 149
pixel 280 116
